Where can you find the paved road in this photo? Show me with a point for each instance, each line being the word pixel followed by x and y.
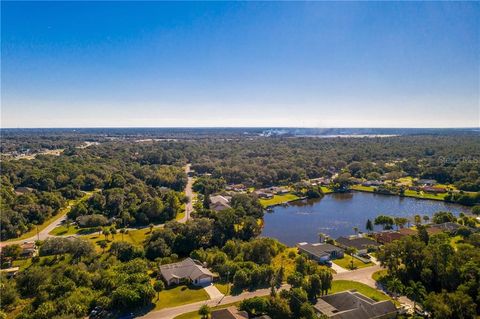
pixel 363 275
pixel 44 234
pixel 170 313
pixel 189 194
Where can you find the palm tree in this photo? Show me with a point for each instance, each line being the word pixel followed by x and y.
pixel 415 291
pixel 395 286
pixel 369 225
pixel 418 220
pixel 151 227
pixel 122 231
pixel 103 245
pixel 351 251
pixel 426 219
pixel 355 229
pixel 158 286
pixel 204 311
pixel 106 232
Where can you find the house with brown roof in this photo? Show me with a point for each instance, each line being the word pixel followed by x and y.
pixel 187 270
pixel 351 304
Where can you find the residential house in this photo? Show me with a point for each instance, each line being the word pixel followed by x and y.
pixel 386 237
pixel 354 305
pixel 187 270
pixel 29 249
pixel 23 190
pixel 407 231
pixel 434 190
pixel 373 183
pixel 10 272
pixel 236 188
pixel 426 182
pixel 361 244
pixel 320 252
pixel 229 313
pixel 219 202
pixel 263 194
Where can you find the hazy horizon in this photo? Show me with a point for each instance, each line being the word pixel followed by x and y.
pixel 240 64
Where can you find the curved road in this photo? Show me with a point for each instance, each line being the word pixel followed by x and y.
pixel 363 275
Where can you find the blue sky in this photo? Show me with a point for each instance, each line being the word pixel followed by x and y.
pixel 313 64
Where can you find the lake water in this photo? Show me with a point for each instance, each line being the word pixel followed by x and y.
pixel 337 214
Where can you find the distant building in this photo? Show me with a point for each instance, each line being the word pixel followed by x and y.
pixel 263 194
pixel 10 272
pixel 219 202
pixel 236 188
pixel 29 249
pixel 434 190
pixel 361 244
pixel 23 190
pixel 321 252
pixel 429 182
pixel 187 270
pixel 386 237
pixel 407 231
pixel 354 305
pixel 229 313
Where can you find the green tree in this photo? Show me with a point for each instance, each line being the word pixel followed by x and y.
pixel 204 311
pixel 158 286
pixel 395 286
pixel 369 225
pixel 415 291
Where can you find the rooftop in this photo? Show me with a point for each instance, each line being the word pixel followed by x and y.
pixel 353 305
pixel 318 249
pixel 187 268
pixel 357 242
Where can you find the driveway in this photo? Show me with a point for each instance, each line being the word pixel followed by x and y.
pixel 338 269
pixel 213 292
pixel 363 275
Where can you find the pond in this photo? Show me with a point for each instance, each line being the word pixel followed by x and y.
pixel 337 214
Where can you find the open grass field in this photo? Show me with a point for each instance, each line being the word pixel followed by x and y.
pixel 342 285
pixel 135 237
pixel 180 295
pixel 278 199
pixel 362 188
pixel 346 262
pixel 411 193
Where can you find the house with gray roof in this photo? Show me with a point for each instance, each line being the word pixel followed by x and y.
pixel 351 304
pixel 321 252
pixel 187 270
pixel 361 244
pixel 219 202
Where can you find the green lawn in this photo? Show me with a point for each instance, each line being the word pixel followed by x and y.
pixel 278 199
pixel 342 285
pixel 63 211
pixel 326 190
pixel 64 230
pixel 223 287
pixel 346 262
pixel 135 237
pixel 363 188
pixel 379 274
pixel 411 193
pixel 180 295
